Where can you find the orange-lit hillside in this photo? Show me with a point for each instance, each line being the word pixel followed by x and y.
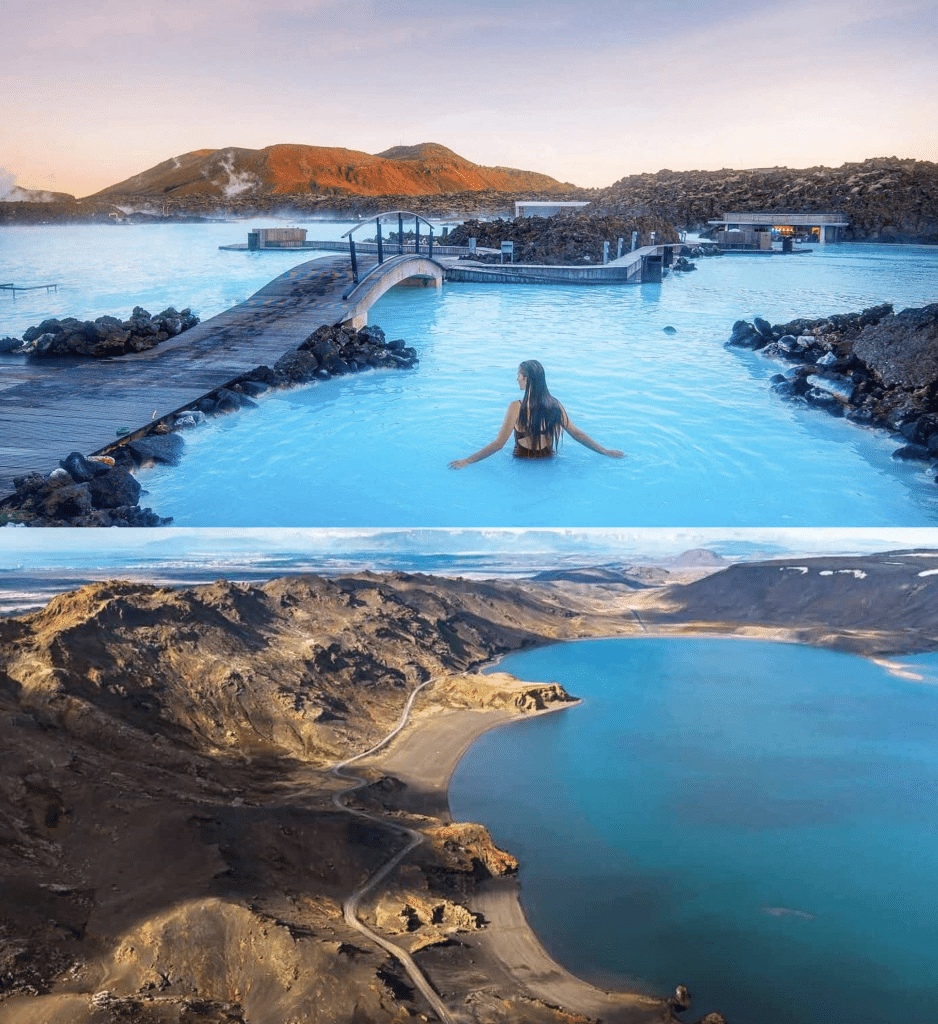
pixel 289 169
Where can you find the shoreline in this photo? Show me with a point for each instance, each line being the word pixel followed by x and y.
pixel 424 757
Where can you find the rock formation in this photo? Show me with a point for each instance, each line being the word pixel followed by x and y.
pixel 106 336
pixel 876 367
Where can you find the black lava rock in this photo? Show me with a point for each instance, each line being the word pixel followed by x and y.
pixel 115 488
pixel 81 470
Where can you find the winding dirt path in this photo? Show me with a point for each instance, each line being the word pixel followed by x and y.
pixel 350 907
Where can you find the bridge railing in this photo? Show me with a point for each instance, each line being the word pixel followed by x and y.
pixel 377 218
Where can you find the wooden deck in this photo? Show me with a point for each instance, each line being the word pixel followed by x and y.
pixel 51 407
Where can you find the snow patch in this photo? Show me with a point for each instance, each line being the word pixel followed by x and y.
pixel 929 572
pixel 803 569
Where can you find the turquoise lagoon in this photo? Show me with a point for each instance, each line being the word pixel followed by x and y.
pixel 754 820
pixel 708 442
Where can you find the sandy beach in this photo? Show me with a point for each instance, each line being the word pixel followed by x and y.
pixel 424 756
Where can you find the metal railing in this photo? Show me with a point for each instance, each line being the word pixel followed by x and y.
pixel 377 218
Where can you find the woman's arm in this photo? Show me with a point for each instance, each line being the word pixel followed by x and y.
pixel 511 418
pixel 586 440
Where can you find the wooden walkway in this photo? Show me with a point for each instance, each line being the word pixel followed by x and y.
pixel 51 407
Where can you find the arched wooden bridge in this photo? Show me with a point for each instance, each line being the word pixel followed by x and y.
pixel 51 407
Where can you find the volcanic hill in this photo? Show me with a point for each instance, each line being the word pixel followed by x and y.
pixel 302 171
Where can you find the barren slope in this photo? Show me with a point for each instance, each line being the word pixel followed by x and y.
pixel 290 169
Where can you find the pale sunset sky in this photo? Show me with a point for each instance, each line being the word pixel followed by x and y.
pixel 98 90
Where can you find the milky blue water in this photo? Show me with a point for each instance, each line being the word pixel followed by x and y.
pixel 754 820
pixel 107 269
pixel 709 444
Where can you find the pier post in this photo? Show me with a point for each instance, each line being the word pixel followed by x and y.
pixel 634 240
pixel 351 249
pixel 619 251
pixel 651 269
pixel 605 252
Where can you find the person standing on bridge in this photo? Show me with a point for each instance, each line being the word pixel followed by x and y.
pixel 538 421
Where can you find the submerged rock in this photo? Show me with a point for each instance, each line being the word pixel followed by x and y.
pixel 165 448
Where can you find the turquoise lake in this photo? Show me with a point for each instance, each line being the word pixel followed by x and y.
pixel 754 820
pixel 709 443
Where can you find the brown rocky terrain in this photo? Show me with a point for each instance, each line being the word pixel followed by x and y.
pixel 885 199
pixel 168 845
pixel 284 170
pixel 872 605
pixel 170 849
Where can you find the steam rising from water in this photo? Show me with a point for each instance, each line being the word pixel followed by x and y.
pixel 10 192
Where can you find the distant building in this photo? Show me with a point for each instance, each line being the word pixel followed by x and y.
pixel 277 238
pixel 526 208
pixel 819 227
pixel 736 239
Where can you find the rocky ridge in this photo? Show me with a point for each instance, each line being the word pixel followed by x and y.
pixel 284 170
pixel 874 605
pixel 299 180
pixel 885 199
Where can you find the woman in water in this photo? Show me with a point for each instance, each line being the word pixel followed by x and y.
pixel 538 421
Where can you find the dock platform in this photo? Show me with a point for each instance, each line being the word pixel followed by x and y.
pixel 51 407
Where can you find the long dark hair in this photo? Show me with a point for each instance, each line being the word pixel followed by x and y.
pixel 541 416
